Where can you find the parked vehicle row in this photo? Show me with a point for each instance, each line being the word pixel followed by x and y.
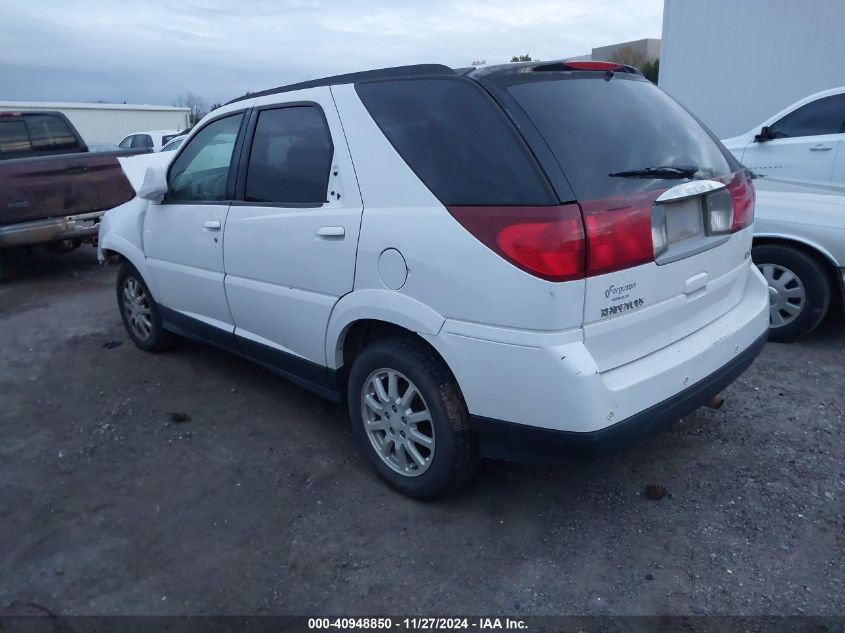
pixel 53 188
pixel 515 261
pixel 152 141
pixel 802 142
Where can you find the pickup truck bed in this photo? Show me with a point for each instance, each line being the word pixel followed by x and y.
pixel 51 187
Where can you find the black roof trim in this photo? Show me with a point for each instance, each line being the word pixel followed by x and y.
pixel 381 73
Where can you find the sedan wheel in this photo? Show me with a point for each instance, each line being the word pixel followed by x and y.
pixel 786 294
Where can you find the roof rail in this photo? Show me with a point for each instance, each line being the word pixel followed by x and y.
pixel 348 78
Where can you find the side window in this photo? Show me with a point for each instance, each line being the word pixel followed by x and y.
pixel 201 171
pixel 126 143
pixel 13 136
pixel 142 141
pixel 290 158
pixel 50 133
pixel 823 116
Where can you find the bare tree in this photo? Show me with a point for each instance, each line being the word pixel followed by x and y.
pixel 630 57
pixel 192 101
pixel 478 62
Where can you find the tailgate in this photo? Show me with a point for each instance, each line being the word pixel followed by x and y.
pixel 634 312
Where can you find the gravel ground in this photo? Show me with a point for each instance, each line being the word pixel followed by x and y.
pixel 260 503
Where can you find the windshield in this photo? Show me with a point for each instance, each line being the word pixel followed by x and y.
pixel 599 129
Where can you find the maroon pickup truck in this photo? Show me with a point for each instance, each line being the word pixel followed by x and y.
pixel 53 190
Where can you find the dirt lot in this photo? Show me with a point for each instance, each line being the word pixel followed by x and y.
pixel 260 502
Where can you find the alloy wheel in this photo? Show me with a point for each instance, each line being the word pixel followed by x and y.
pixel 398 422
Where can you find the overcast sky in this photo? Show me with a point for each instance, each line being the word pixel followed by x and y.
pixel 150 51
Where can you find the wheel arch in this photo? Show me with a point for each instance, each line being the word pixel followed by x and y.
pixel 379 309
pixel 115 245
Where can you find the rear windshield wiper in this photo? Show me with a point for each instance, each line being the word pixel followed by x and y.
pixel 661 171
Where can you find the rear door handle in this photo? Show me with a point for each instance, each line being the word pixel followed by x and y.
pixel 76 169
pixel 331 231
pixel 212 225
pixel 821 148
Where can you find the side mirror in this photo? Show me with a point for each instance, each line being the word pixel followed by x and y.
pixel 155 183
pixel 764 135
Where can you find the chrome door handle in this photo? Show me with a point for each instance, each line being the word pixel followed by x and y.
pixel 821 148
pixel 331 231
pixel 212 225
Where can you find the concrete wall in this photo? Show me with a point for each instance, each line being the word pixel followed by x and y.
pixel 649 47
pixel 109 123
pixel 734 63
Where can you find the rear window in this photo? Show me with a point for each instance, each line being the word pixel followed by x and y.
pixel 595 127
pixel 457 141
pixel 50 133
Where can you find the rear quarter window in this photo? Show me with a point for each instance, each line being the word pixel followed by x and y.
pixel 596 126
pixel 457 140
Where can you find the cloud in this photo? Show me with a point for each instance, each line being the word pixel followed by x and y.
pixel 150 51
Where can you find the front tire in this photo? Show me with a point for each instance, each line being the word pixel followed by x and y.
pixel 410 418
pixel 799 290
pixel 139 311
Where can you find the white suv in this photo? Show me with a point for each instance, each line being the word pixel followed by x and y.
pixel 520 261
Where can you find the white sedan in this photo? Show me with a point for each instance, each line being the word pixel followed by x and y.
pixel 805 141
pixel 799 246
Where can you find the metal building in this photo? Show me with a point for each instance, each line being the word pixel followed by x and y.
pixel 735 63
pixel 109 122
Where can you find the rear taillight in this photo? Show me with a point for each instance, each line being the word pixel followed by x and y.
pixel 742 192
pixel 545 241
pixel 619 232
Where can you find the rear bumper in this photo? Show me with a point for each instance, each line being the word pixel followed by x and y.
pixel 71 227
pixel 548 385
pixel 519 442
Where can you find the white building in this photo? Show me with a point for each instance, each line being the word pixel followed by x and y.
pixel 109 122
pixel 735 63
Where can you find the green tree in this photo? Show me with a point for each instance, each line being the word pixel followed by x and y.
pixel 651 70
pixel 521 58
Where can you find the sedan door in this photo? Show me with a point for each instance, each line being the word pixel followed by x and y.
pixel 292 235
pixel 183 235
pixel 803 144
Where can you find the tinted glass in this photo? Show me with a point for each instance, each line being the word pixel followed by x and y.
pixel 172 145
pixel 50 133
pixel 142 141
pixel 825 116
pixel 167 137
pixel 201 171
pixel 126 143
pixel 290 158
pixel 13 136
pixel 457 140
pixel 595 127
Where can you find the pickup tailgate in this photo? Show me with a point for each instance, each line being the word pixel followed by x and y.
pixel 64 184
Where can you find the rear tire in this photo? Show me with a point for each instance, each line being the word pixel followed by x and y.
pixel 139 311
pixel 799 290
pixel 410 418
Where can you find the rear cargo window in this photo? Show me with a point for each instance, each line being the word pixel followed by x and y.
pixel 595 127
pixel 13 136
pixel 457 141
pixel 50 133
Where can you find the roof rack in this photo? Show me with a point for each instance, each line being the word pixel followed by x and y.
pixel 381 73
pixel 550 66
